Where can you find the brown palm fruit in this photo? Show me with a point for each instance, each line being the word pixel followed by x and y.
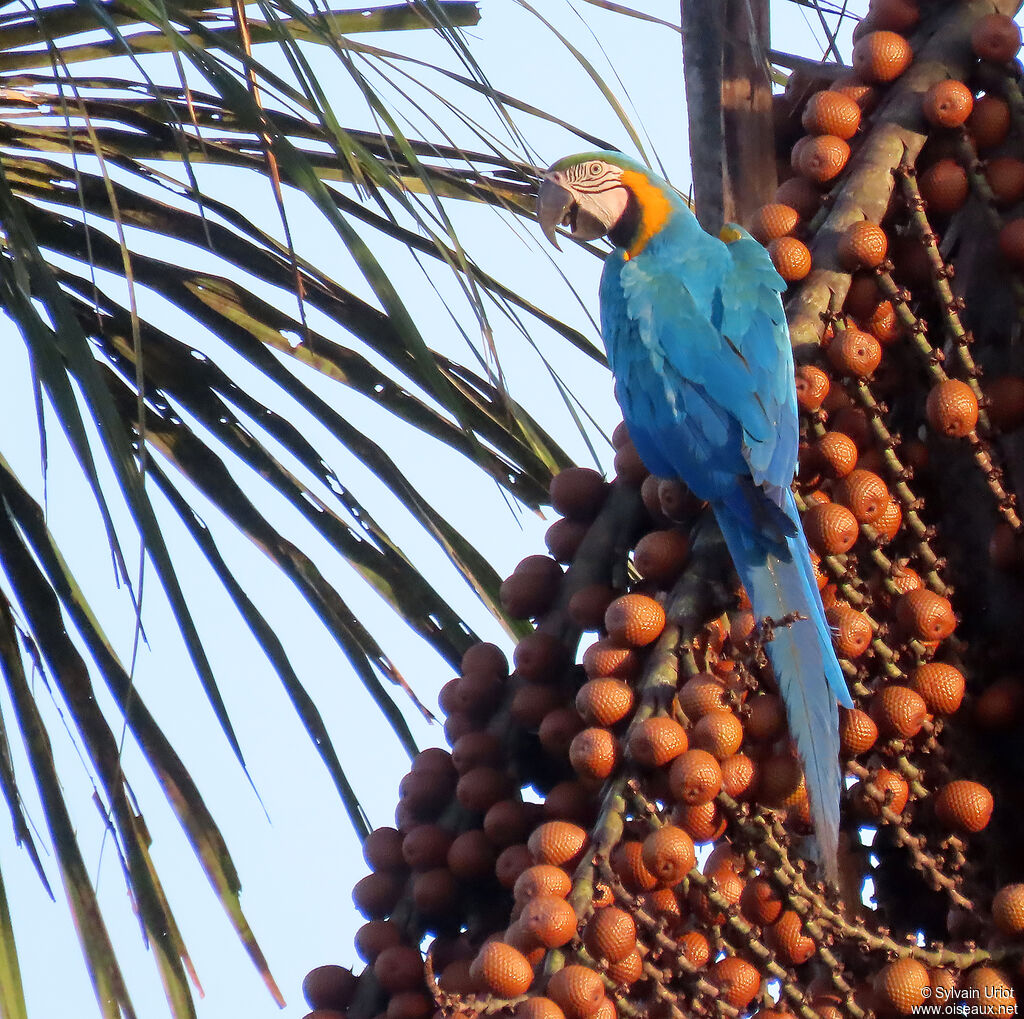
pixel 628 863
pixel 766 717
pixel 964 805
pixel 941 686
pixel 760 902
pixel 563 539
pixel 558 728
pixel 895 15
pixel 373 937
pixel 503 970
pixel 739 776
pixel 989 122
pixel 329 987
pixel 656 741
pixel 484 657
pixel 883 324
pixel 772 221
pixel 925 615
pixel 604 701
pixel 898 711
pixel 857 732
pixel 788 939
pixel 881 56
pixel 628 466
pixel 995 37
pixel 377 894
pixel 538 1008
pixel 531 589
pixel 399 968
pixel 382 850
pixel 853 421
pixel 587 606
pixel 1006 177
pixel 456 978
pixel 947 103
pixel 821 158
pixel 606 658
pixel 1011 242
pixel 435 892
pixel 660 556
pixel 594 753
pixel 635 620
pixel 510 821
pixel 695 777
pixel 720 733
pixel 627 971
pixel 548 920
pixel 902 986
pixel 571 800
pixel 812 386
pixel 831 529
pixel 578 493
pixel 722 858
pixel 862 245
pixel 782 780
pixel 532 702
pixel 836 453
pixel 854 352
pixel 410 1005
pixel 611 934
pixel 992 990
pixel 799 194
pixel 1000 704
pixel 703 693
pixel 791 258
pixel 952 408
pixel 480 788
pixel 558 843
pixel 694 948
pixel 1005 398
pixel 865 95
pixel 727 888
pixel 426 846
pixel 577 990
pixel 944 187
pixel 471 856
pixel 475 749
pixel 890 785
pixel 704 822
pixel 540 658
pixel 1007 910
pixel 863 297
pixel 851 630
pixel 541 879
pixel 864 494
pixel 511 862
pixel 737 980
pixel 830 112
pixel 668 854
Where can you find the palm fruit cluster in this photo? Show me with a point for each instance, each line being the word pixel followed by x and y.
pixel 621 826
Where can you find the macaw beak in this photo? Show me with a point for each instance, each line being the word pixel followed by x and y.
pixel 555 205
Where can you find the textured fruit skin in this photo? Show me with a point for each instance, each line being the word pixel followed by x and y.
pixel 831 113
pixel 851 630
pixel 893 786
pixel 989 122
pixel 964 805
pixel 863 245
pixel 800 194
pixel 695 777
pixel 504 970
pixel 791 258
pixel 1008 909
pixel 899 711
pixel 952 408
pixel 541 879
pixel 836 453
pixel 864 493
pixel 578 493
pixel 604 701
pixel 831 529
pixel 737 980
pixel 548 920
pixel 720 733
pixel 760 903
pixel 557 843
pixel 774 220
pixel 656 741
pixel 903 985
pixel 538 1008
pixel 634 619
pixel 812 386
pixel 611 934
pixel 941 686
pixel 577 990
pixel 668 854
pixel 822 158
pixel 594 753
pixel 660 556
pixel 995 37
pixel 789 939
pixel 881 56
pixel 992 991
pixel 854 352
pixel 925 614
pixel 947 103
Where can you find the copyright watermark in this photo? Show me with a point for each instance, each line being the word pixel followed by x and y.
pixel 995 1001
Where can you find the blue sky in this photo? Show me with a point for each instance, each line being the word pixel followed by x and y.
pixel 296 855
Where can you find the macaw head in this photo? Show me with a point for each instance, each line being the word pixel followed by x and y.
pixel 597 194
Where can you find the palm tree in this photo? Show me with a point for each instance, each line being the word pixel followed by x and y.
pixel 178 340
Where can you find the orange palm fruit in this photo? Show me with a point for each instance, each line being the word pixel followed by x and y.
pixel 947 103
pixel 964 805
pixel 833 113
pixel 881 56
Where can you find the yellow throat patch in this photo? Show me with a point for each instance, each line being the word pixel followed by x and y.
pixel 654 209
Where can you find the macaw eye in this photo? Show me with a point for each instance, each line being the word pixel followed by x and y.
pixel 594 170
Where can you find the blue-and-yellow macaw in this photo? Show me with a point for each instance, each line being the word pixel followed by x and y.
pixel 698 344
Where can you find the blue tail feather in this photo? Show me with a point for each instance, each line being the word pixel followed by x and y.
pixel 779 580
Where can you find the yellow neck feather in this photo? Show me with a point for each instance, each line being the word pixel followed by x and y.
pixel 654 209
